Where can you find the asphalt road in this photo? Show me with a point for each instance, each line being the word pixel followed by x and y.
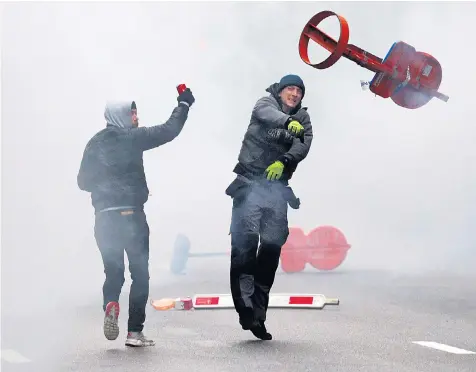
pixel 380 317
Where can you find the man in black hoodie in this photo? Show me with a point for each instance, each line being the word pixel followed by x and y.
pixel 112 171
pixel 278 138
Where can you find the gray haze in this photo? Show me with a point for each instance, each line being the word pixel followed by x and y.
pixel 399 183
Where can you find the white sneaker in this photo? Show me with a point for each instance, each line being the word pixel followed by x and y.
pixel 111 327
pixel 138 339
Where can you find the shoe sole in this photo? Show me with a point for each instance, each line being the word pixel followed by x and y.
pixel 111 327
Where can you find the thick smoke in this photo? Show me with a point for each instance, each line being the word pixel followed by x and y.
pixel 399 183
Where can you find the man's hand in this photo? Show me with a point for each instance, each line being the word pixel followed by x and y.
pixel 186 97
pixel 281 135
pixel 295 127
pixel 275 171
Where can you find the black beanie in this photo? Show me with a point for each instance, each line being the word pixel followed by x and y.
pixel 290 80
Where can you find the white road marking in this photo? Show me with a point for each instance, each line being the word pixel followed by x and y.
pixel 443 347
pixel 13 356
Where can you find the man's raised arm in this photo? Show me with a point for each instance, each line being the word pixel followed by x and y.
pixel 148 138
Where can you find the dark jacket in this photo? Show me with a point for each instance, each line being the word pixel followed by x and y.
pixel 112 168
pixel 267 139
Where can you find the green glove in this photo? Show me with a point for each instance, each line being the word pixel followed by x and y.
pixel 275 171
pixel 295 127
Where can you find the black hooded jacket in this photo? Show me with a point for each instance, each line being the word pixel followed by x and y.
pixel 112 167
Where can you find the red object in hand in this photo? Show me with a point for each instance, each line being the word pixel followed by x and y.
pixel 181 88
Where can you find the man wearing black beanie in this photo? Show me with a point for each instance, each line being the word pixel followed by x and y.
pixel 278 138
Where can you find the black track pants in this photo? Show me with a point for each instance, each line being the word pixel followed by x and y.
pixel 259 229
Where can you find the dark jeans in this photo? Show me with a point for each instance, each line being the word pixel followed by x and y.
pixel 259 217
pixel 116 232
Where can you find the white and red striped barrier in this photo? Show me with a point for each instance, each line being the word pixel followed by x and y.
pixel 225 301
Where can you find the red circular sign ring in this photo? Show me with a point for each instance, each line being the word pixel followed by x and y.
pixel 341 44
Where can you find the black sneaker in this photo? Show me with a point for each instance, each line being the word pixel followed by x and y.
pixel 247 320
pixel 259 331
pixel 247 323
